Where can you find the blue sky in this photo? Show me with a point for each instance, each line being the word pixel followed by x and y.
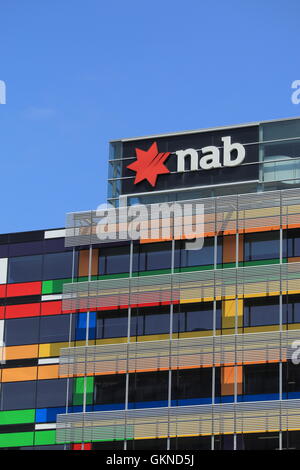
pixel 82 72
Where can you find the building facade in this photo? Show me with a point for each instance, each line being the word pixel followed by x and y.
pixel 144 343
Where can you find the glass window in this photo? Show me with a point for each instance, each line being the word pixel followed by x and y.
pixel 27 248
pixel 260 246
pixel 55 328
pixel 152 256
pixel 261 378
pixel 293 243
pixel 20 331
pixel 191 383
pixel 290 377
pixel 191 443
pixel 25 268
pixel 197 317
pixel 148 386
pixel 202 257
pixel 58 265
pixel 262 311
pixel 114 260
pixel 18 395
pixel 259 441
pixel 109 389
pixel 53 393
pixel 111 325
pixel 291 308
pixel 150 321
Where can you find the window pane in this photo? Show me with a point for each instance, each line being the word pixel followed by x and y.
pixel 25 268
pixel 58 265
pixel 114 260
pixel 52 393
pixel 191 383
pixel 110 325
pixel 202 257
pixel 152 256
pixel 148 386
pixel 110 389
pixel 258 312
pixel 261 378
pixel 55 328
pixel 18 395
pixel 20 331
pixel 259 246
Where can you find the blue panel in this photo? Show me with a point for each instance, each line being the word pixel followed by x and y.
pixel 191 401
pixel 81 319
pixel 225 399
pixel 117 406
pixel 259 397
pixel 148 404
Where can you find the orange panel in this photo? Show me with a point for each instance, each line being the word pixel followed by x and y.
pixel 19 374
pixel 48 372
pixel 229 248
pixel 21 352
pixel 227 380
pixel 83 269
pixel 296 259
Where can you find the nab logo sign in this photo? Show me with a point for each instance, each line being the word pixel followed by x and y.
pixel 150 163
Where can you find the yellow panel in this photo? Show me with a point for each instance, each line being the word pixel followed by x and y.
pixel 229 312
pixel 111 341
pixel 259 329
pixel 52 349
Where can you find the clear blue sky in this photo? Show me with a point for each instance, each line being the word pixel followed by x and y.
pixel 82 72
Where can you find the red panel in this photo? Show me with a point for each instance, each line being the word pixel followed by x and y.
pixel 25 288
pixel 86 446
pixel 51 308
pixel 1 313
pixel 27 310
pixel 2 290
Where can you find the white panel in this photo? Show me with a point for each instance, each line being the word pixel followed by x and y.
pixel 51 297
pixel 55 233
pixel 45 426
pixel 51 360
pixel 3 270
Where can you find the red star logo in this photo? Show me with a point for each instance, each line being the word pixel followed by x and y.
pixel 149 164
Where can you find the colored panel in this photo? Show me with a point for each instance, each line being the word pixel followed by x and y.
pixel 54 287
pixel 19 374
pixel 16 417
pixel 18 311
pixel 52 349
pixel 48 372
pixel 79 389
pixel 44 438
pixel 16 439
pixel 51 308
pixel 48 415
pixel 25 288
pixel 229 312
pixel 229 248
pixel 3 270
pixel 83 269
pixel 227 380
pixel 21 352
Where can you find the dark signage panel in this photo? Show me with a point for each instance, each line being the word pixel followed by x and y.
pixel 248 136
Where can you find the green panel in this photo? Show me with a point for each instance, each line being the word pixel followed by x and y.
pixel 56 286
pixel 193 268
pixel 44 438
pixel 17 417
pixel 151 273
pixel 16 439
pixel 78 391
pixel 113 276
pixel 262 262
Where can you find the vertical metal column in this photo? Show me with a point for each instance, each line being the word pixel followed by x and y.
pixel 87 336
pixel 213 377
pixel 280 319
pixel 128 342
pixel 236 324
pixel 170 337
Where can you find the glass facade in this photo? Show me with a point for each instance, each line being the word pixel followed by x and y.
pixel 166 348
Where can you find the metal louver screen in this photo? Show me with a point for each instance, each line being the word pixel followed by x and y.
pixel 221 214
pixel 179 421
pixel 189 286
